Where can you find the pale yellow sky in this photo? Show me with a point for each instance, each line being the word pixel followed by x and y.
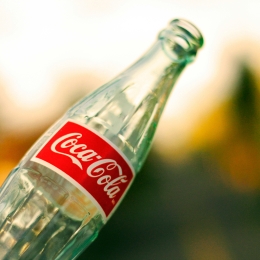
pixel 40 41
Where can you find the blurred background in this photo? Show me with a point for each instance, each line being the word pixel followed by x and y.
pixel 197 197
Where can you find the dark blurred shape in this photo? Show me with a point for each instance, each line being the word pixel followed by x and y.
pixel 246 102
pixel 230 134
pixel 239 151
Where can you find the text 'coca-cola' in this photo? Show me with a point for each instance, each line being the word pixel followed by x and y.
pixel 91 161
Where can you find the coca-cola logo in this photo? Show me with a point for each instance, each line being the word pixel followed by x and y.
pixel 90 160
pixel 79 153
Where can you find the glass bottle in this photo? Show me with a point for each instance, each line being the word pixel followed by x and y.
pixel 53 204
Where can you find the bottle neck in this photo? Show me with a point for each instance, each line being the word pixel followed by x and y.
pixel 155 66
pixel 127 109
pixel 153 62
pixel 154 73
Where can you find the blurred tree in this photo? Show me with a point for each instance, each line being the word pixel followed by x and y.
pixel 231 134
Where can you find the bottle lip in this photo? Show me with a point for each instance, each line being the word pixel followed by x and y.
pixel 181 40
pixel 190 29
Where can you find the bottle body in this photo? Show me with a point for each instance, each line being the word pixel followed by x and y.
pixel 43 215
pixel 49 212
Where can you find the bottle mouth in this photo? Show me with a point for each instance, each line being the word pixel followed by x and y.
pixel 181 40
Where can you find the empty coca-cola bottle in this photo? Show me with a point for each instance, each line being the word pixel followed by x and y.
pixel 53 204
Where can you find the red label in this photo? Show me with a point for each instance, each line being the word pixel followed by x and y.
pixel 90 161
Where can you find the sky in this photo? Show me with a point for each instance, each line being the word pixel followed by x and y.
pixel 43 41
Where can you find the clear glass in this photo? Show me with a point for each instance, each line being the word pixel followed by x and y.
pixel 44 216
